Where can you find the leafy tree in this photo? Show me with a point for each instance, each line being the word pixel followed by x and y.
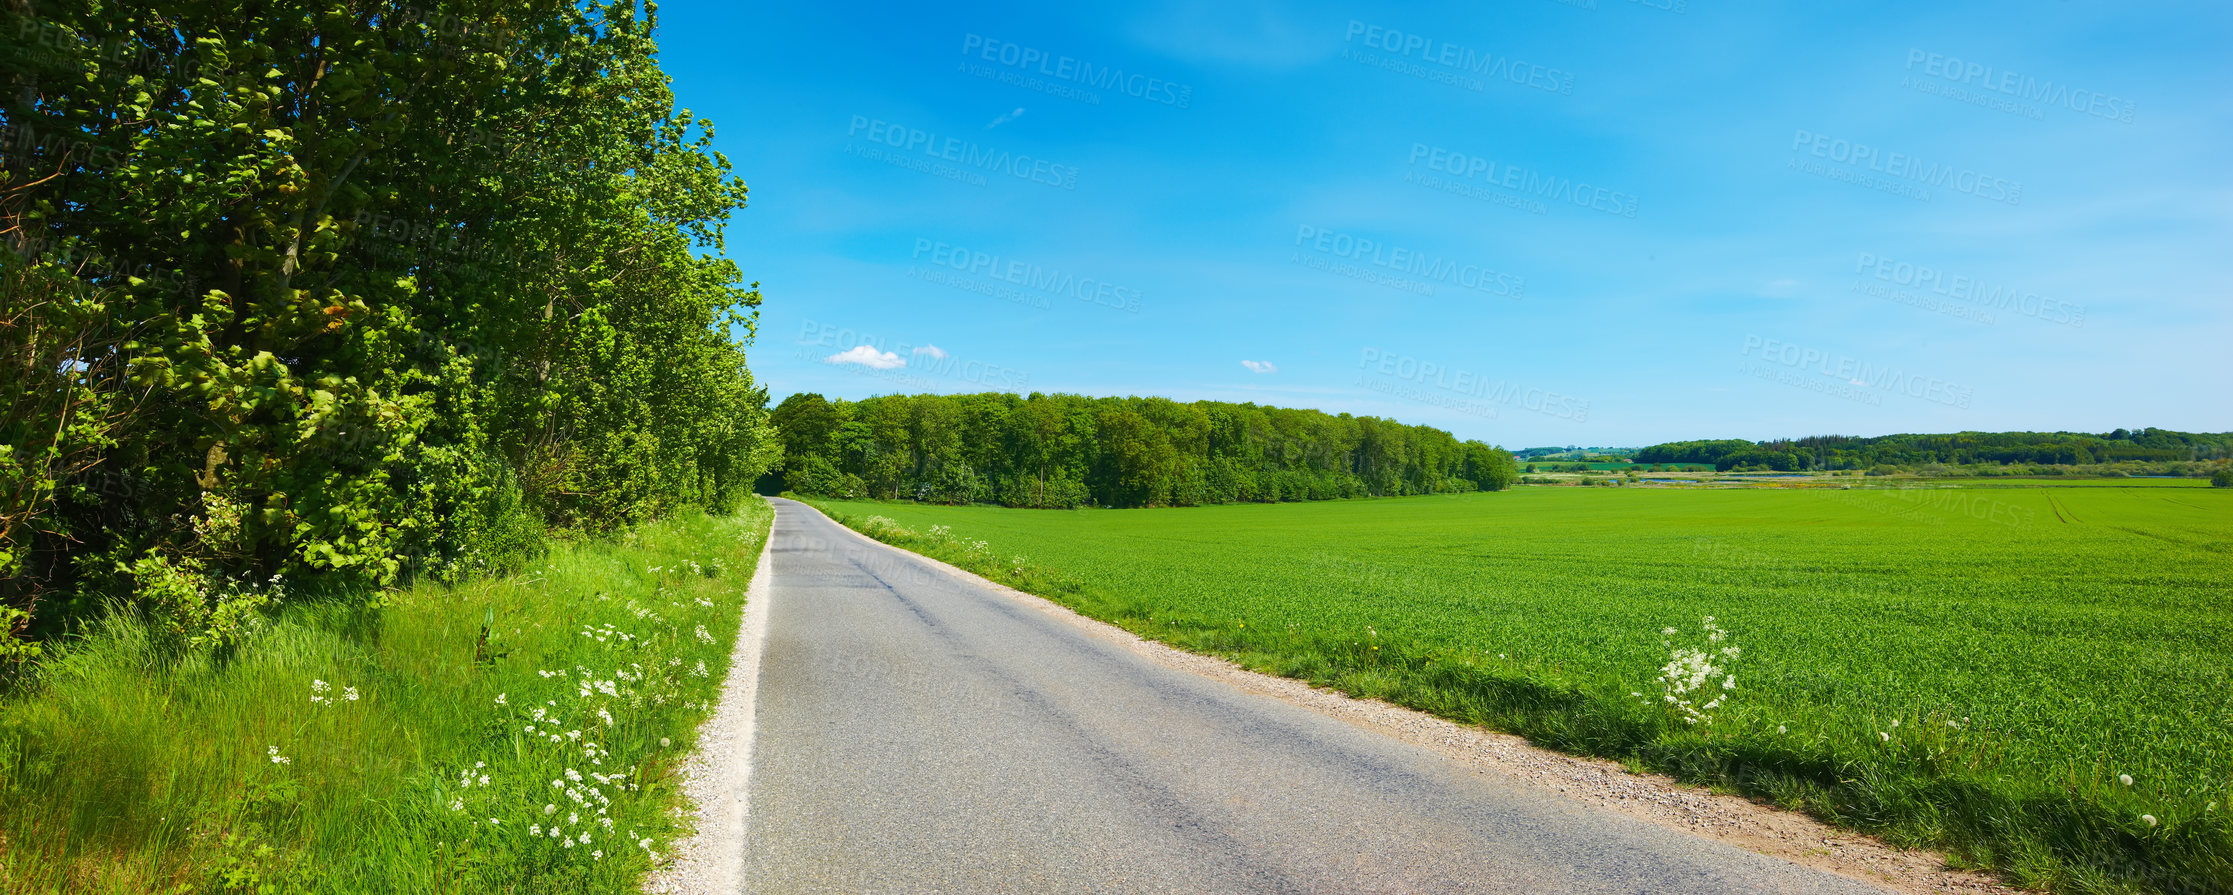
pixel 339 294
pixel 1067 451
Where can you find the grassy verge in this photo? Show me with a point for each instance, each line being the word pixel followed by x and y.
pixel 1977 672
pixel 511 735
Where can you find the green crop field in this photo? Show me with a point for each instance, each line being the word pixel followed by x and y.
pixel 1976 669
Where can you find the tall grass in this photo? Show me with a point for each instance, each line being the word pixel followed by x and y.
pixel 2033 680
pixel 509 735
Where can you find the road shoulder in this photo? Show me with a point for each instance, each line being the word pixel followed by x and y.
pixel 718 775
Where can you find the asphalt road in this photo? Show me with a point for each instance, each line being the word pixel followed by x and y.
pixel 920 734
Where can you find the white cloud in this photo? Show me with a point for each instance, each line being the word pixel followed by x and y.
pixel 867 357
pixel 1259 366
pixel 1784 288
pixel 935 352
pixel 1004 119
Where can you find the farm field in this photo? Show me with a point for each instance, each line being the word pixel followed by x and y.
pixel 1978 670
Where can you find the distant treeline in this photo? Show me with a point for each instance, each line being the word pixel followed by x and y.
pixel 1073 451
pixel 1958 449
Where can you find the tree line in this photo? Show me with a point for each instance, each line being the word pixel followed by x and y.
pixel 1956 449
pixel 1073 451
pixel 310 296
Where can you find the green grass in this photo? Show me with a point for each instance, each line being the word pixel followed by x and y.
pixel 123 770
pixel 2070 636
pixel 2070 482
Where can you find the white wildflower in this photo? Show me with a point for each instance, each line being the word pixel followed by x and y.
pixel 277 758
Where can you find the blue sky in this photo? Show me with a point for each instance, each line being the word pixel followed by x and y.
pixel 1533 223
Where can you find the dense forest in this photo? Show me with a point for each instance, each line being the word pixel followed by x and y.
pixel 324 296
pixel 1958 449
pixel 1073 451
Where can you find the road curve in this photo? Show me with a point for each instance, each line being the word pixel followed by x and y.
pixel 920 733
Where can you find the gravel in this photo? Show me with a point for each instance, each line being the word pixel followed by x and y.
pixel 716 776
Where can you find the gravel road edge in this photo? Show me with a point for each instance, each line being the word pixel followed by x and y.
pixel 717 777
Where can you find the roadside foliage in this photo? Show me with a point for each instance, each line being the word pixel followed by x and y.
pixel 519 733
pixel 363 371
pixel 1070 451
pixel 314 298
